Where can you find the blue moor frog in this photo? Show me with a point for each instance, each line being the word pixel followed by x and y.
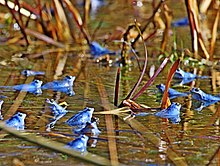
pixel 16 121
pixel 172 113
pixel 57 84
pixel 67 90
pixel 58 112
pixel 80 119
pixel 180 74
pixel 79 144
pixel 199 95
pixel 56 109
pixel 171 92
pixel 28 73
pixel 34 87
pixel 96 50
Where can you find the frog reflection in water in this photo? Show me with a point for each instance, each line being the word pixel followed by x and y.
pixel 91 128
pixel 171 92
pixel 199 95
pixel 64 85
pixel 79 144
pixel 16 121
pixel 80 120
pixel 58 112
pixel 34 87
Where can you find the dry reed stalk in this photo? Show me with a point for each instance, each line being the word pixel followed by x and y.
pixel 63 30
pixel 193 29
pixel 109 124
pixel 44 38
pixel 204 5
pixel 214 34
pixel 78 20
pixel 117 84
pixel 86 12
pixel 19 20
pixel 192 9
pixel 149 20
pixel 168 17
pixel 214 78
pixel 42 18
pixel 125 46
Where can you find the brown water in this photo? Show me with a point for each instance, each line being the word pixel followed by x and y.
pixel 194 140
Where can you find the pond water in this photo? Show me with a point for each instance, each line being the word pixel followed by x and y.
pixel 142 140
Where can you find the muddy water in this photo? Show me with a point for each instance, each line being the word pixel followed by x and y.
pixel 195 140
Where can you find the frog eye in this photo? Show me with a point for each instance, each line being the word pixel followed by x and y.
pixel 177 104
pixel 196 89
pixel 68 77
pixel 25 72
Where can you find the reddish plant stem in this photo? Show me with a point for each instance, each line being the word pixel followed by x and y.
pixel 150 81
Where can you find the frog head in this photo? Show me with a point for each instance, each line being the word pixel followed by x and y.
pixel 50 101
pixel 70 79
pixel 37 83
pixel 25 72
pixel 197 93
pixel 173 109
pixel 89 110
pixel 179 73
pixel 161 87
pixel 20 116
pixel 175 105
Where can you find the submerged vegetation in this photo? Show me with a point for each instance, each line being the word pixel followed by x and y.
pixel 60 38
